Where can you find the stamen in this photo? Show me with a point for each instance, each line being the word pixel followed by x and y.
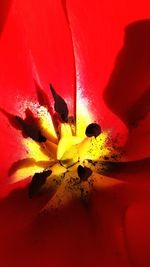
pixel 70 156
pixel 93 129
pixel 30 130
pixel 28 126
pixel 43 98
pixel 60 105
pixel 84 172
pixel 38 180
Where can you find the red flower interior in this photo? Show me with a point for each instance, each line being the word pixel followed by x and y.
pixel 74 45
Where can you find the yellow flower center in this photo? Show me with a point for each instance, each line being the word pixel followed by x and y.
pixel 66 157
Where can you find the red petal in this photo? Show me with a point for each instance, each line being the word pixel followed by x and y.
pixel 138 143
pixel 4 9
pixel 50 44
pixel 33 45
pixel 77 236
pixel 128 92
pixel 98 32
pixel 138 234
pixel 136 172
pixel 16 88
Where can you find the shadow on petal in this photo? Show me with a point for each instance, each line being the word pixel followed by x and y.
pixel 137 232
pixel 76 236
pixel 133 171
pixel 128 93
pixel 129 83
pixel 4 9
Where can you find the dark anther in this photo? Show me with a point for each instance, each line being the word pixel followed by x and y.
pixel 38 180
pixel 60 105
pixel 93 129
pixel 29 127
pixel 43 98
pixel 84 173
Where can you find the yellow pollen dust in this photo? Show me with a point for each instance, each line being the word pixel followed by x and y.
pixel 62 153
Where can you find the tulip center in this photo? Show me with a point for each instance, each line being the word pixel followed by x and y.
pixel 60 159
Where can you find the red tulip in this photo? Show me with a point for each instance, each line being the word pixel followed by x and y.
pixel 95 54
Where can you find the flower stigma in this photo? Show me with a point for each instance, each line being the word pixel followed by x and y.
pixel 62 161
